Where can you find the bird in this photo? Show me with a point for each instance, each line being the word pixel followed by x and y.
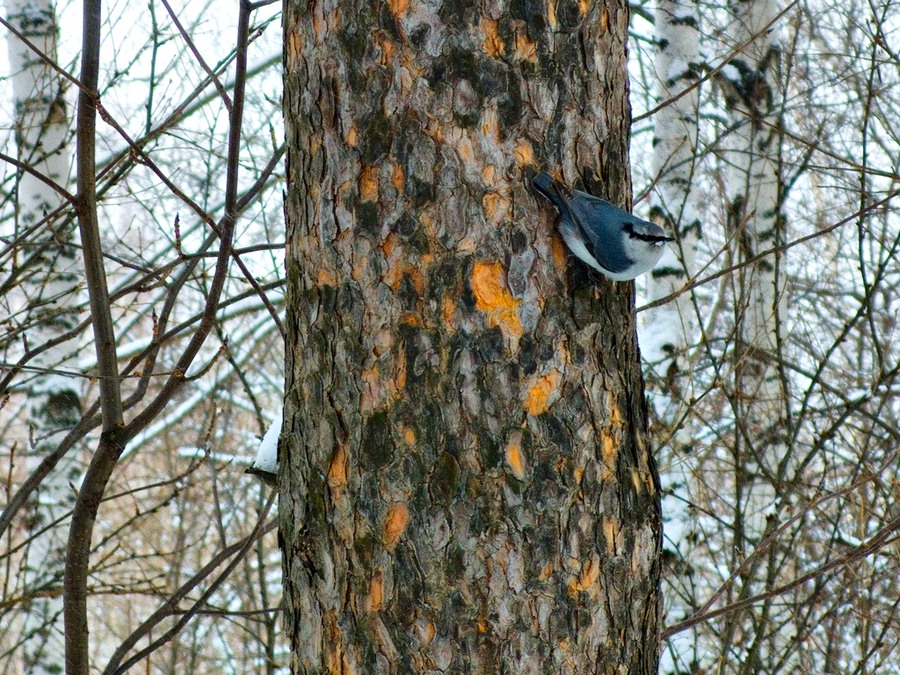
pixel 612 241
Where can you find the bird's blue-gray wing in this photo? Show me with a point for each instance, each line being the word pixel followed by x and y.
pixel 600 224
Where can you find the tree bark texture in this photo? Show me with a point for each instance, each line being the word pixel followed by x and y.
pixel 466 483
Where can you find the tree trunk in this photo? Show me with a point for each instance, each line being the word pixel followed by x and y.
pixel 669 331
pixel 764 469
pixel 670 328
pixel 50 277
pixel 466 482
pixel 752 97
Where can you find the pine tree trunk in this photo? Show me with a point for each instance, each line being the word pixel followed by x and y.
pixel 466 482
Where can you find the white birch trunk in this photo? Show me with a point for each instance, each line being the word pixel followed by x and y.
pixel 752 186
pixel 669 330
pixel 752 96
pixel 49 293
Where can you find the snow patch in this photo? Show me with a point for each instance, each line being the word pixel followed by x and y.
pixel 267 452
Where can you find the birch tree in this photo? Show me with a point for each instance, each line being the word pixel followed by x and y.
pixel 758 396
pixel 771 575
pixel 466 481
pixel 669 332
pixel 752 97
pixel 671 328
pixel 46 286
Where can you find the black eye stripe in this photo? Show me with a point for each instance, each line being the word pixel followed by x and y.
pixel 651 238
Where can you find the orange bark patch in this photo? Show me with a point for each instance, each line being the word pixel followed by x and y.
pixel 610 531
pixel 387 52
pixel 376 591
pixel 448 310
pixel 398 7
pixel 615 415
pixel 465 150
pixel 396 272
pixel 393 253
pixel 414 272
pixel 590 572
pixel 604 16
pixel 551 14
pixel 609 449
pixel 490 125
pixel 294 46
pixel 492 43
pixel 539 391
pixel 526 49
pixel 319 25
pixel 524 153
pixel 351 137
pixel 636 479
pixel 546 571
pixel 398 178
pixel 395 525
pixel 495 206
pixel 426 631
pixel 515 460
pixel 584 6
pixel 400 370
pixel 335 660
pixel 359 268
pixel 337 470
pixel 409 436
pixel 326 277
pixel 389 244
pixel 559 252
pixel 488 173
pixel 493 297
pixel 368 184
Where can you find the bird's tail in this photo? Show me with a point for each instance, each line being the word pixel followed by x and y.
pixel 543 182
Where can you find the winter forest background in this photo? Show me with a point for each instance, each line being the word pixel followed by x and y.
pixel 765 135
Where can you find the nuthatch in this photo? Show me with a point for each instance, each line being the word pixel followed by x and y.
pixel 610 240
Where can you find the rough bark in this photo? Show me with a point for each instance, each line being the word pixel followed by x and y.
pixel 466 482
